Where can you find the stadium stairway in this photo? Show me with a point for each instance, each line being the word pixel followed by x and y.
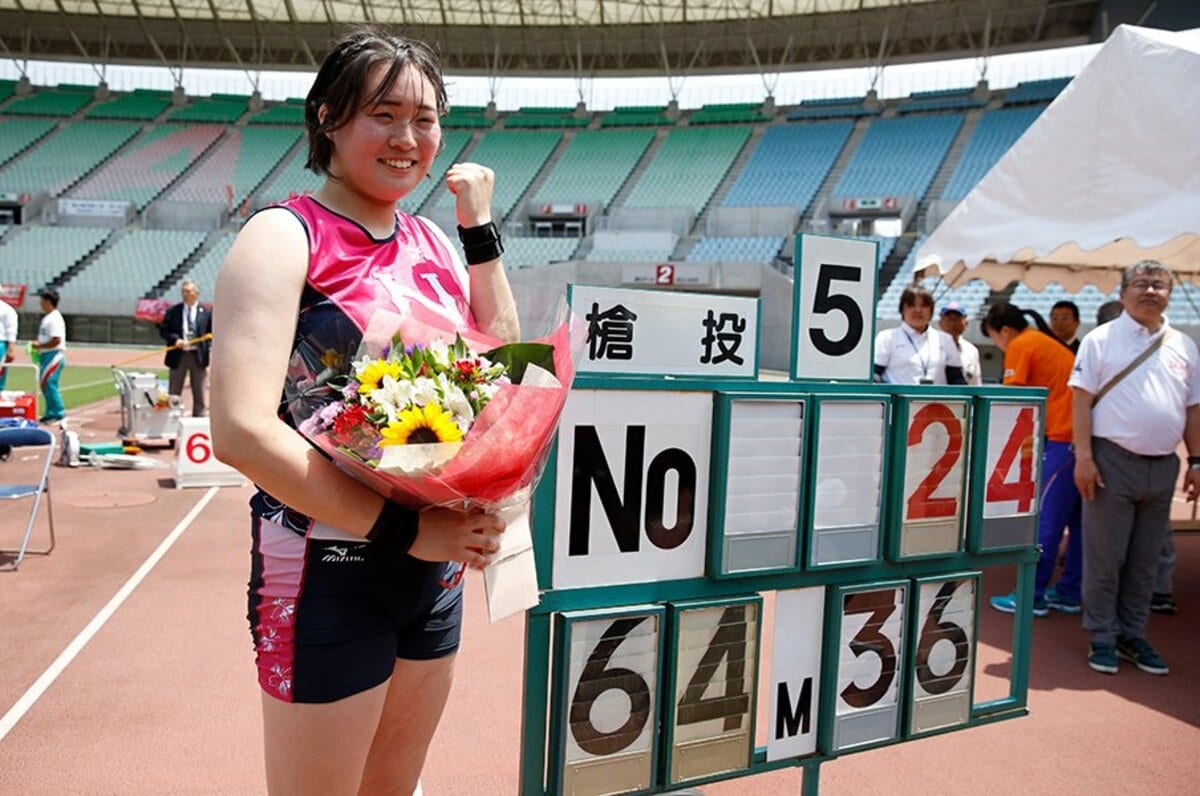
pixel 163 288
pixel 946 170
pixel 255 199
pixel 465 156
pixel 635 175
pixel 835 173
pixel 192 168
pixel 889 267
pixel 731 176
pixel 520 213
pixel 70 273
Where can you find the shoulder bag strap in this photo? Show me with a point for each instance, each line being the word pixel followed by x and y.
pixel 1132 366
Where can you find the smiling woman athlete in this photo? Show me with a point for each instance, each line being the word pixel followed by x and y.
pixel 354 631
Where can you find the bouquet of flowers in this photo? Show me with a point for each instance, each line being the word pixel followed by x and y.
pixel 431 416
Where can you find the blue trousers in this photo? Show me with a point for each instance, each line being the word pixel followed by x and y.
pixel 1061 507
pixel 50 368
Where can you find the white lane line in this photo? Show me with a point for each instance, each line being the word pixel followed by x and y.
pixel 64 658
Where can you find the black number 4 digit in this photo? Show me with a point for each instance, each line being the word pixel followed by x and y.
pixel 728 644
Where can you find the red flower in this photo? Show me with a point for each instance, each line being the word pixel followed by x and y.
pixel 348 424
pixel 467 368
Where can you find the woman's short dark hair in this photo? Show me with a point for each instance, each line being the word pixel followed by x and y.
pixel 914 295
pixel 344 77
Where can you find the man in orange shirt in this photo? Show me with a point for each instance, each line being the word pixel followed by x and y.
pixel 1035 358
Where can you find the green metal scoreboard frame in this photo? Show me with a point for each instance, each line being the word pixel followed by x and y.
pixel 681 488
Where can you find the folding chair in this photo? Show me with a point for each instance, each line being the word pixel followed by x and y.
pixel 18 438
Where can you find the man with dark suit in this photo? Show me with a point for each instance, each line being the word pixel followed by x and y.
pixel 187 328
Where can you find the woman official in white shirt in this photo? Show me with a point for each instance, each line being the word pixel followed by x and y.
pixel 913 352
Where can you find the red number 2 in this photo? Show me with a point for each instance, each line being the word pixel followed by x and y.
pixel 922 505
pixel 1020 442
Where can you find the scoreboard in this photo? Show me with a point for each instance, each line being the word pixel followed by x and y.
pixel 677 498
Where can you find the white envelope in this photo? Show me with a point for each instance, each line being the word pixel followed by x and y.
pixel 510 581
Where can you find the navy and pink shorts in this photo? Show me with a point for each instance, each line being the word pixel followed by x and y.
pixel 330 613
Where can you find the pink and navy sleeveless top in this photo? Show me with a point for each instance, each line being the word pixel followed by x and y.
pixel 351 275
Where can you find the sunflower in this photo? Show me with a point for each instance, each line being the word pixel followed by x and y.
pixel 416 425
pixel 371 375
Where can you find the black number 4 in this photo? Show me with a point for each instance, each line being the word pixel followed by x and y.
pixel 838 302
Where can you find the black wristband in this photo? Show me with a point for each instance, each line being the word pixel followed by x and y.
pixel 1193 461
pixel 395 528
pixel 481 244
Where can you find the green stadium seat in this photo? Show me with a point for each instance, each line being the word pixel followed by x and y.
pixel 688 168
pixel 65 157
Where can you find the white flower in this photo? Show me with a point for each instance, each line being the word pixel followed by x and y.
pixel 440 353
pixel 425 390
pixel 392 396
pixel 457 404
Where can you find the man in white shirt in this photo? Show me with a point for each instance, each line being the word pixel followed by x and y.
pixel 914 353
pixel 1129 414
pixel 8 338
pixel 953 321
pixel 51 351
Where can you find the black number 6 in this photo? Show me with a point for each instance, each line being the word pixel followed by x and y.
pixel 824 302
pixel 934 630
pixel 597 678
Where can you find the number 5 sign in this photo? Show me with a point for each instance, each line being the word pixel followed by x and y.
pixel 833 308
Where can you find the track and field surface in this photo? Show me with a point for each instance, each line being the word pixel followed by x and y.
pixel 127 669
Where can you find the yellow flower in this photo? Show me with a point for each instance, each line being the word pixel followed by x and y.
pixel 331 358
pixel 417 425
pixel 371 375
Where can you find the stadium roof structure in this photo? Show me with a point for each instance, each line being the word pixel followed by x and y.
pixel 552 37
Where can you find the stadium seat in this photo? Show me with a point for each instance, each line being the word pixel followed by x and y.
pixel 42 440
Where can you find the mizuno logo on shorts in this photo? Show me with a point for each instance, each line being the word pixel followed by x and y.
pixel 337 554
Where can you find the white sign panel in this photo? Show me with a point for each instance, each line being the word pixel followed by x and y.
pixel 943 665
pixel 667 334
pixel 1012 472
pixel 716 673
pixel 935 461
pixel 667 274
pixel 796 673
pixel 612 697
pixel 195 463
pixel 98 208
pixel 631 487
pixel 870 662
pixel 834 308
pixel 849 464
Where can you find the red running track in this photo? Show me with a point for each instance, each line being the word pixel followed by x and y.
pixel 162 697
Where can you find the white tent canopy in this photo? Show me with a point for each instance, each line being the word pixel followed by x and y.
pixel 1109 174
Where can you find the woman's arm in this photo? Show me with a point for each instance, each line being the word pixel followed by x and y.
pixel 492 301
pixel 255 309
